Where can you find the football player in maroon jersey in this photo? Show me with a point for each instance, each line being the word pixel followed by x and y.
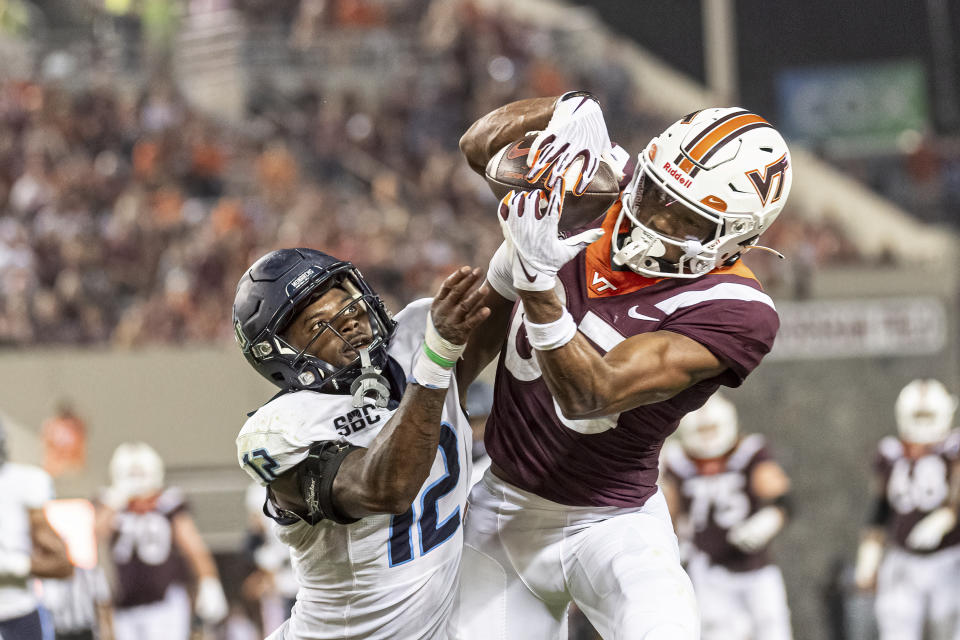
pixel 731 497
pixel 911 551
pixel 155 549
pixel 618 333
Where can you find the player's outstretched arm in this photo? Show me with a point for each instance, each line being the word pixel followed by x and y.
pixel 872 541
pixel 387 476
pixel 643 369
pixel 502 126
pixel 770 484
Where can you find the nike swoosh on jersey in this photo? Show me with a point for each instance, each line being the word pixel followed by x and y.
pixel 633 313
pixel 523 267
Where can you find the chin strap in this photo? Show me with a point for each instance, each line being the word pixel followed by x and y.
pixel 767 249
pixel 369 385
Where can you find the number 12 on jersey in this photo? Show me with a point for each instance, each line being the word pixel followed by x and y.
pixel 433 533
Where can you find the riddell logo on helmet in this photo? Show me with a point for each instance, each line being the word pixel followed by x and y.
pixel 677 174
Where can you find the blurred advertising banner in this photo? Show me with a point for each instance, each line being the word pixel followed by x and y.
pixel 874 107
pixel 860 328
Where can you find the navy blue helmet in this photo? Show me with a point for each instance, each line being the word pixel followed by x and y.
pixel 274 290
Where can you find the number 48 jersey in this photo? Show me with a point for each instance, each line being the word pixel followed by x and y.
pixel 914 488
pixel 385 576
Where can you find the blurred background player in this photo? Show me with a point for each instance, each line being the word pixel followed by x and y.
pixel 271 588
pixel 731 497
pixel 80 606
pixel 364 451
pixel 156 552
pixel 914 523
pixel 29 547
pixel 611 344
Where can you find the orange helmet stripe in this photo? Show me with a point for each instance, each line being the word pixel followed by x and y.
pixel 721 132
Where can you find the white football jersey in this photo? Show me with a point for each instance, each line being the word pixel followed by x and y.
pixel 385 576
pixel 22 488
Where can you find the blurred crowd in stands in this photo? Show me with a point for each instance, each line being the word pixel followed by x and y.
pixel 126 217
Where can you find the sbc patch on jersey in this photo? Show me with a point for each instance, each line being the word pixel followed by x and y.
pixel 279 435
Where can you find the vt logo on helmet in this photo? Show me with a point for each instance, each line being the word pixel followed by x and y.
pixel 703 191
pixel 346 321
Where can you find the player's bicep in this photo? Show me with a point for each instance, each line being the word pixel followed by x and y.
pixel 653 367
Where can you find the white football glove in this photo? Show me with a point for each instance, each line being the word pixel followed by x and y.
pixel 530 224
pixel 576 130
pixel 928 533
pixel 757 531
pixel 211 604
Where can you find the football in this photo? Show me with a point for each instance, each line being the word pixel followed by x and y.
pixel 507 168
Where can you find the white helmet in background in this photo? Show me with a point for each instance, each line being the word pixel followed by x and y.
pixel 925 412
pixel 711 430
pixel 727 166
pixel 136 470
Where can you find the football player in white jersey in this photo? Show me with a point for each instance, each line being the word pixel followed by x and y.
pixel 155 549
pixel 366 450
pixel 911 551
pixel 614 334
pixel 727 492
pixel 29 547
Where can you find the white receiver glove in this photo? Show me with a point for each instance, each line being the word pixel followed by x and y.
pixel 757 531
pixel 576 130
pixel 211 604
pixel 928 533
pixel 530 224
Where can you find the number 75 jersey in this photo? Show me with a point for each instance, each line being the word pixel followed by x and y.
pixel 385 576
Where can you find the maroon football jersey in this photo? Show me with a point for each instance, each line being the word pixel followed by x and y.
pixel 144 553
pixel 715 503
pixel 613 461
pixel 914 488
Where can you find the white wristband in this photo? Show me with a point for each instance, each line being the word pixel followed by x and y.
pixel 441 350
pixel 14 564
pixel 552 335
pixel 429 374
pixel 435 362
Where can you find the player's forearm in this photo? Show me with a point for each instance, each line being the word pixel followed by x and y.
pixel 385 477
pixel 587 385
pixel 191 546
pixel 485 341
pixel 574 373
pixel 502 126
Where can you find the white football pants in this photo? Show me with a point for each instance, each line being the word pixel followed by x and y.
pixel 748 605
pixel 167 619
pixel 525 558
pixel 913 589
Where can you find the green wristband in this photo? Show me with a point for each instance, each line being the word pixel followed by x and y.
pixel 437 358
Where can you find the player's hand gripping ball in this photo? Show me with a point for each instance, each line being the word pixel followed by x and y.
pixel 507 172
pixel 529 224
